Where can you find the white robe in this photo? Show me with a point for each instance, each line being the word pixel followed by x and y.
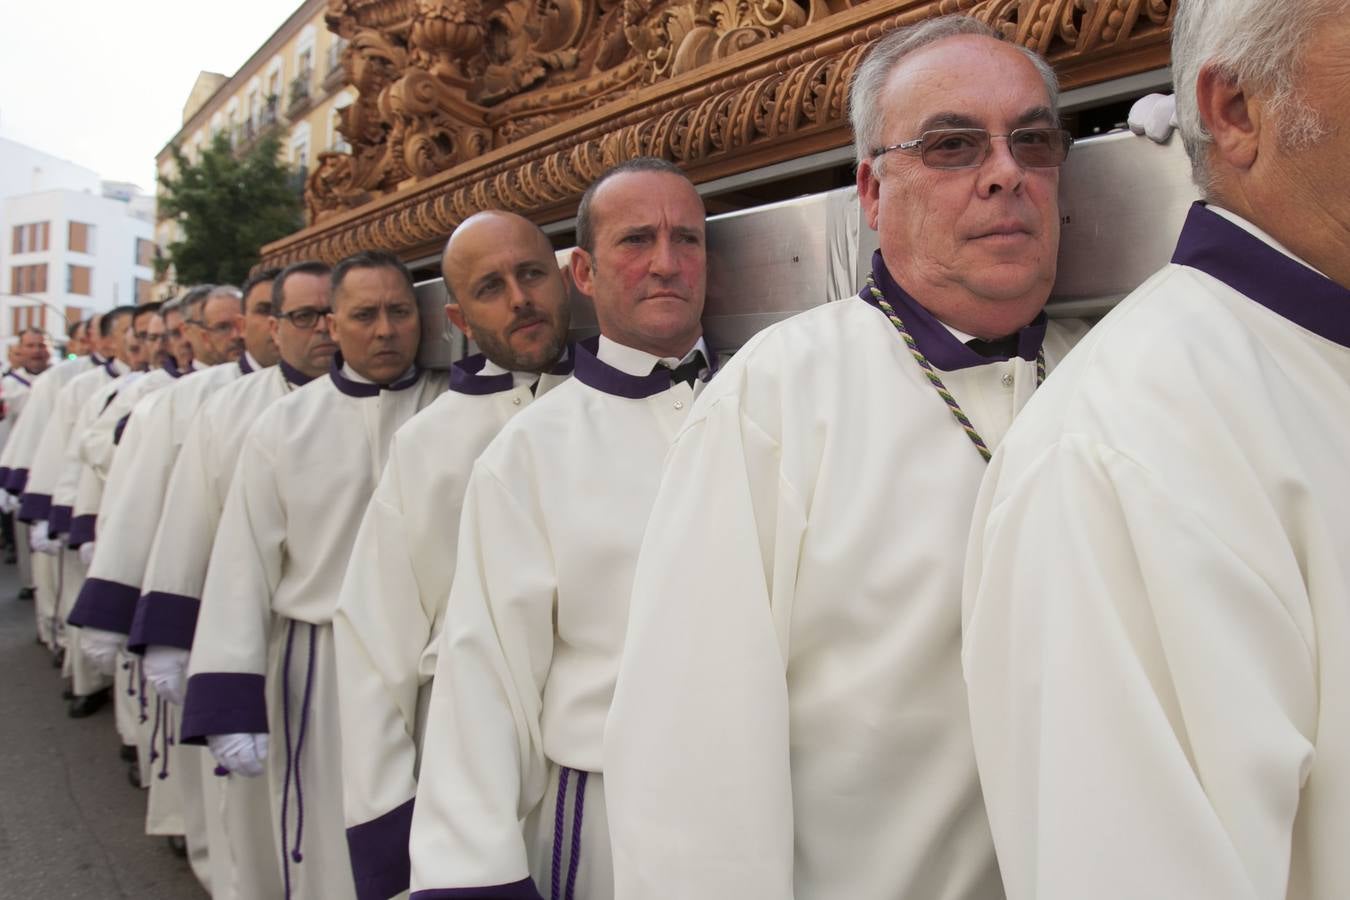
pixel 391 605
pixel 1157 607
pixel 262 656
pixel 789 720
pixel 243 859
pixel 533 631
pixel 18 384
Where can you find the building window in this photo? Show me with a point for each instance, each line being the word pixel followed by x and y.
pixel 339 143
pixel 145 252
pixel 28 279
pixel 35 237
pixel 79 280
pixel 73 315
pixel 300 155
pixel 28 317
pixel 143 288
pixel 81 238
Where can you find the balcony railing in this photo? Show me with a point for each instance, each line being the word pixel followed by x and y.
pixel 300 96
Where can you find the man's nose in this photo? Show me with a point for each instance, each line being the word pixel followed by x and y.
pixel 663 259
pixel 1000 170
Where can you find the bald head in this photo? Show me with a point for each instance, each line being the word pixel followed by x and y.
pixel 506 292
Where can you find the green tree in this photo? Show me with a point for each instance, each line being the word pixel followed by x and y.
pixel 229 205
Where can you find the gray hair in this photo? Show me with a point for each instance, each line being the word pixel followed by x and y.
pixel 1254 43
pixel 865 110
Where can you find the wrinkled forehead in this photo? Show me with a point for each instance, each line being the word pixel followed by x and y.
pixel 374 286
pixel 967 81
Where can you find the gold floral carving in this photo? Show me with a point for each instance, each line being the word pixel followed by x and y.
pixel 518 104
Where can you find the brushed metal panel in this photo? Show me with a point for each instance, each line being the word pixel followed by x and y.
pixel 441 342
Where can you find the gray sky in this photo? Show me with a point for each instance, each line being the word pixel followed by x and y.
pixel 103 83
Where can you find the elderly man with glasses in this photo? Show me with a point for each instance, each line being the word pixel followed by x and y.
pixel 789 719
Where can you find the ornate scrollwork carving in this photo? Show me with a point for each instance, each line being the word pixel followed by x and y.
pixel 436 95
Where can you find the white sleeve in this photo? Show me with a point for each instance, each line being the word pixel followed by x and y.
pixel 483 725
pixel 229 652
pixel 1142 700
pixel 697 768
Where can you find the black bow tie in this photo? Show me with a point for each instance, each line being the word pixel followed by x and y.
pixel 685 372
pixel 1000 348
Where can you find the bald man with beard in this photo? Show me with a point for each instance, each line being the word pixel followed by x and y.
pixel 507 294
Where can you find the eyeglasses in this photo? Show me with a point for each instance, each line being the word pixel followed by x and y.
pixel 968 148
pixel 147 336
pixel 306 318
pixel 220 328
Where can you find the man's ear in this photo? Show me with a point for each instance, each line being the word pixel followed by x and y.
pixel 869 191
pixel 1232 116
pixel 583 273
pixel 456 317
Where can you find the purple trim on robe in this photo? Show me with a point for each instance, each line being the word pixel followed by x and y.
pixel 120 428
pixel 59 520
pixel 19 378
pixel 171 366
pixel 294 375
pixel 223 703
pixel 104 604
pixel 35 508
pixel 590 371
pixel 516 890
pixel 942 348
pixel 464 377
pixel 379 854
pixel 108 367
pixel 82 530
pixel 163 618
pixel 16 481
pixel 97 360
pixel 244 367
pixel 1253 268
pixel 365 389
pixel 4 475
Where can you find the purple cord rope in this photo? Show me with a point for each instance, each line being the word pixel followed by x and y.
pixel 154 735
pixel 559 816
pixel 578 802
pixel 140 690
pixel 166 739
pixel 299 746
pixel 286 782
pixel 131 679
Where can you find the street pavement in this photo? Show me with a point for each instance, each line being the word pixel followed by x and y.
pixel 71 826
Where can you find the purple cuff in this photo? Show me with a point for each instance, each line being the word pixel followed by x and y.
pixel 223 703
pixel 165 619
pixel 59 521
pixel 16 481
pixel 516 890
pixel 5 472
pixel 82 530
pixel 379 854
pixel 35 508
pixel 106 605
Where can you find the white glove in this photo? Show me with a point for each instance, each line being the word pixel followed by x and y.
pixel 86 552
pixel 242 754
pixel 39 542
pixel 100 648
pixel 166 669
pixel 8 502
pixel 1154 117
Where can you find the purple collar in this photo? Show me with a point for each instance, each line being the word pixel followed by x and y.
pixel 171 366
pixel 590 371
pixel 96 359
pixel 942 348
pixel 464 377
pixel 294 375
pixel 108 367
pixel 244 367
pixel 363 388
pixel 1258 271
pixel 19 378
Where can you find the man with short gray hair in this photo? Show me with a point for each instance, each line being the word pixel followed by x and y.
pixel 1157 635
pixel 789 719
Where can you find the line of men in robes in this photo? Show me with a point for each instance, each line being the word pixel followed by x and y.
pixel 585 621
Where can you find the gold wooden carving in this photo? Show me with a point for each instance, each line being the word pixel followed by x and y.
pixel 465 105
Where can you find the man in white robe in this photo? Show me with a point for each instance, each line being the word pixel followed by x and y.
pixel 32 355
pixel 262 655
pixel 20 449
pixel 1156 626
pixel 47 462
pixel 182 801
pixel 507 295
pixel 789 719
pixel 243 858
pixel 510 798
